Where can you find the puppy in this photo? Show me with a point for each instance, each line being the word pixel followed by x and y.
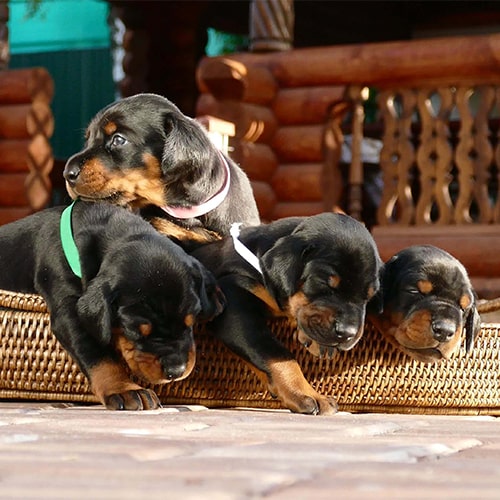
pixel 143 153
pixel 138 296
pixel 428 301
pixel 318 271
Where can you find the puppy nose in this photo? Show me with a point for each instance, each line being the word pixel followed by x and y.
pixel 71 172
pixel 443 330
pixel 173 372
pixel 345 333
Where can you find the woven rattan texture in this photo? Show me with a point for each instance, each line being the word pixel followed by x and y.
pixel 374 376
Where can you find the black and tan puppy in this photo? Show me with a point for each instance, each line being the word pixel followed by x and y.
pixel 428 302
pixel 143 153
pixel 319 271
pixel 138 296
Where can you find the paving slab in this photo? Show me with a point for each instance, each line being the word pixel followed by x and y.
pixel 52 451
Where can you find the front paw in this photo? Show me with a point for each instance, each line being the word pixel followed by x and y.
pixel 134 400
pixel 286 381
pixel 312 405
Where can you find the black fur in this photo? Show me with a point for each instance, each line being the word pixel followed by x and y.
pixel 142 152
pixel 319 271
pixel 138 295
pixel 428 301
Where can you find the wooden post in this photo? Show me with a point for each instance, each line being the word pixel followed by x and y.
pixel 4 34
pixel 271 25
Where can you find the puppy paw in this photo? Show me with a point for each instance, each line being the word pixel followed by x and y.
pixel 135 400
pixel 286 381
pixel 309 405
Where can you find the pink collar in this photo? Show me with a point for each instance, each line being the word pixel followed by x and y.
pixel 207 206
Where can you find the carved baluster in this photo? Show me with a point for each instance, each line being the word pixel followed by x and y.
pixel 434 157
pixel 357 96
pixel 397 157
pixel 271 25
pixel 474 154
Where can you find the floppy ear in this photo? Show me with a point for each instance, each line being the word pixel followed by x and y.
pixel 134 324
pixel 376 303
pixel 94 310
pixel 282 266
pixel 472 327
pixel 211 299
pixel 186 143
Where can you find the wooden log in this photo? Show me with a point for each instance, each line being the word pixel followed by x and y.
pixel 21 121
pixel 389 62
pixel 225 78
pixel 24 155
pixel 11 214
pixel 21 190
pixel 21 86
pixel 305 105
pixel 486 288
pixel 299 143
pixel 257 160
pixel 265 199
pixel 298 182
pixel 293 209
pixel 252 122
pixel 475 245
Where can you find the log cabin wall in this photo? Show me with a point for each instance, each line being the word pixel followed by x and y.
pixel 279 130
pixel 284 104
pixel 26 125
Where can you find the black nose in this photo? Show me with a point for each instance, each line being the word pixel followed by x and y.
pixel 173 371
pixel 345 333
pixel 71 172
pixel 443 330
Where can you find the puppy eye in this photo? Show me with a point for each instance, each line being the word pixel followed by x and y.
pixel 412 291
pixel 118 140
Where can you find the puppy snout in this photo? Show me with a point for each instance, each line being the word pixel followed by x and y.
pixel 71 172
pixel 345 333
pixel 173 371
pixel 443 330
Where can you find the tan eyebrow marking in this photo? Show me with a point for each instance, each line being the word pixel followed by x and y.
pixel 110 128
pixel 465 301
pixel 424 286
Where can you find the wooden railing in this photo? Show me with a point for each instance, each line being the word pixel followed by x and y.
pixel 438 105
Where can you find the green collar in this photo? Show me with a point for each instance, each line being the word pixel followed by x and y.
pixel 68 243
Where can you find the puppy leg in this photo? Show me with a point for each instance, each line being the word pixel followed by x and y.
pixel 108 378
pixel 111 384
pixel 243 329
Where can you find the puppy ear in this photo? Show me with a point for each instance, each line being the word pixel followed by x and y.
pixel 204 295
pixel 282 265
pixel 186 143
pixel 134 324
pixel 94 310
pixel 472 327
pixel 376 303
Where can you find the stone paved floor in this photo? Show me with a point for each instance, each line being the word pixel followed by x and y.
pixel 63 452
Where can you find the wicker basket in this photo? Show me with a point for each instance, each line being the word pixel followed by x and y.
pixel 373 377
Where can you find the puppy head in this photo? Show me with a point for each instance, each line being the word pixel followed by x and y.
pixel 428 303
pixel 145 305
pixel 322 275
pixel 142 151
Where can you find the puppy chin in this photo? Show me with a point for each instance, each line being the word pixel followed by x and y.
pixel 427 352
pixel 314 347
pixel 71 192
